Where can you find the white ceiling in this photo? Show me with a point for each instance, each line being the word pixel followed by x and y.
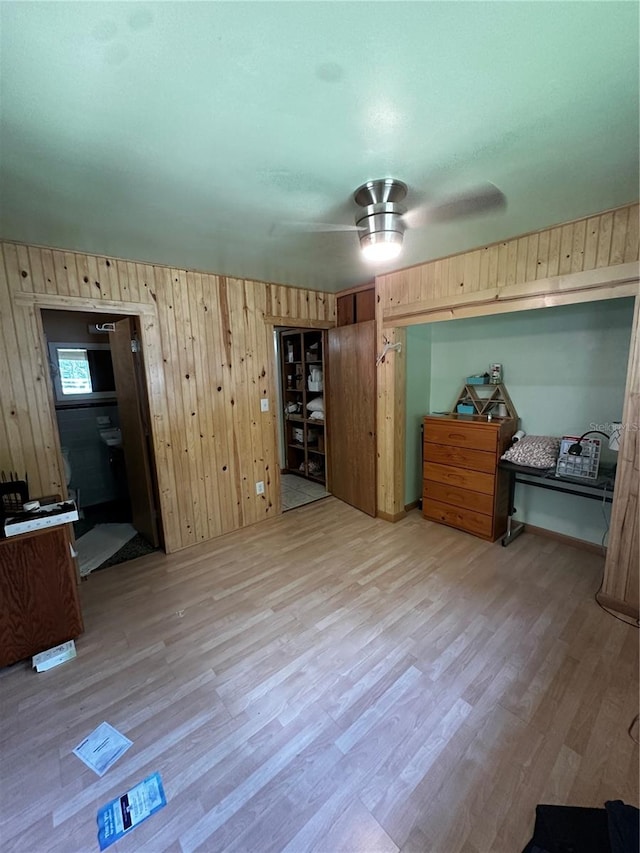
pixel 191 133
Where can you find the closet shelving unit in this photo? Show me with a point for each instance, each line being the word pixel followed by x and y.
pixel 302 351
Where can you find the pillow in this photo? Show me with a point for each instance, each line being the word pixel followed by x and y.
pixel 316 405
pixel 534 451
pixel 316 416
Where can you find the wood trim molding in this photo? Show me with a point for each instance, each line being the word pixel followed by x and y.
pixel 606 283
pixel 504 306
pixel 276 423
pixel 413 505
pixel 617 606
pixel 390 419
pixel 299 323
pixel 621 582
pixel 393 517
pixel 81 303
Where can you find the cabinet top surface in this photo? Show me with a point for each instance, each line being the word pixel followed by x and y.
pixel 468 419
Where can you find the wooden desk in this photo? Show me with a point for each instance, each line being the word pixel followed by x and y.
pixel 39 601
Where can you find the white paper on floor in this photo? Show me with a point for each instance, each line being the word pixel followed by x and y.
pixel 100 543
pixel 102 748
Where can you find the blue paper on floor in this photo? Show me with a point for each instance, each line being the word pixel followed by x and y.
pixel 124 813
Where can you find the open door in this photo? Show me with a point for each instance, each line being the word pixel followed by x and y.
pixel 351 414
pixel 133 409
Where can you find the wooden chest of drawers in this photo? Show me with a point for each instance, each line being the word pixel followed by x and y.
pixel 462 486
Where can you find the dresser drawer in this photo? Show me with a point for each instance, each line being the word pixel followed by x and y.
pixel 450 476
pixel 457 497
pixel 460 434
pixel 460 457
pixel 463 519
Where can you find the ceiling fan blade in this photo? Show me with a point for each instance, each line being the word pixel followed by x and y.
pixel 417 217
pixel 318 226
pixel 482 199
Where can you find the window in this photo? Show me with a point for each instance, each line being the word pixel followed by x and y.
pixel 75 374
pixel 81 372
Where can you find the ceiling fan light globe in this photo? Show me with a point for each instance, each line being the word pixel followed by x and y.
pixel 381 246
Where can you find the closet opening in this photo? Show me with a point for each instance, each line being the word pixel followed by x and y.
pixel 303 450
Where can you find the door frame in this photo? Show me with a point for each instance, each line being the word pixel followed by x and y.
pixel 271 324
pixel 147 318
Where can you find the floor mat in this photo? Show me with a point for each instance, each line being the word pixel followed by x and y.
pixel 136 547
pixel 101 543
pixel 297 491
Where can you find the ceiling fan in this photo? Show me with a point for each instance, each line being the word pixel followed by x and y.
pixel 382 217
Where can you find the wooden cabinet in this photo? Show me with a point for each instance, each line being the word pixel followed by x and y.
pixel 351 382
pixel 39 601
pixel 462 486
pixel 356 306
pixel 303 378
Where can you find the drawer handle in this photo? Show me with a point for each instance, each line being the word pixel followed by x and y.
pixel 459 435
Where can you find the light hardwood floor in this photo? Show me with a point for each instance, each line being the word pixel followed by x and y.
pixel 330 682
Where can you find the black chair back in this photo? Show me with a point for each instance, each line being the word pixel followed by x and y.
pixel 12 496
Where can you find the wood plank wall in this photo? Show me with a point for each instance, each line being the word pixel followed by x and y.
pixel 208 360
pixel 507 270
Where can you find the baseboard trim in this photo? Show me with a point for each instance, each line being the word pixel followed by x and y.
pixel 617 606
pixel 592 547
pixel 387 516
pixel 412 505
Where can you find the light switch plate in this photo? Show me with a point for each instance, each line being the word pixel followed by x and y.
pixel 264 404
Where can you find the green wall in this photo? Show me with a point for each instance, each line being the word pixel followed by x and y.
pixel 418 395
pixel 564 368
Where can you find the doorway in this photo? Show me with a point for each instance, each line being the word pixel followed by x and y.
pixel 101 410
pixel 345 392
pixel 301 404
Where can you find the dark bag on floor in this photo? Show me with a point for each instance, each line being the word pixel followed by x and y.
pixel 571 829
pixel 624 827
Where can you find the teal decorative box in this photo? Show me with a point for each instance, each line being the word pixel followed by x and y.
pixel 464 409
pixel 477 380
